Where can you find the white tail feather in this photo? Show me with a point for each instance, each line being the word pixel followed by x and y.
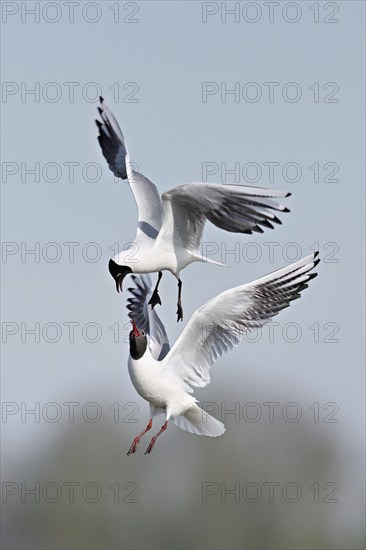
pixel 198 422
pixel 201 258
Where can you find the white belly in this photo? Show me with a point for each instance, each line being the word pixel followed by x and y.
pixel 148 256
pixel 146 376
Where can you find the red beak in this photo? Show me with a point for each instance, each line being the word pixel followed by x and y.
pixel 135 329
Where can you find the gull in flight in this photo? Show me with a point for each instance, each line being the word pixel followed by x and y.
pixel 169 229
pixel 165 377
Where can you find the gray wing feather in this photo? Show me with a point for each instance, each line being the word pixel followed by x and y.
pixel 234 208
pixel 145 318
pixel 111 141
pixel 114 149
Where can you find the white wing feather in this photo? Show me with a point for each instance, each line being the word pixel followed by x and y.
pixel 234 208
pixel 179 217
pixel 114 149
pixel 219 324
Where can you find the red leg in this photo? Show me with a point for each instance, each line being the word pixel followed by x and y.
pixel 152 442
pixel 136 441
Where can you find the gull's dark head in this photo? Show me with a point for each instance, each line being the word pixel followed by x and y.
pixel 118 273
pixel 138 342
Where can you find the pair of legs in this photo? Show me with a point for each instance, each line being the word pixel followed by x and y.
pixel 136 441
pixel 155 298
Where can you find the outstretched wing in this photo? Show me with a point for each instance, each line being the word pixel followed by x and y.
pixel 235 208
pixel 112 142
pixel 114 149
pixel 220 323
pixel 145 318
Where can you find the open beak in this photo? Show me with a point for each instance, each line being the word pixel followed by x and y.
pixel 118 273
pixel 135 329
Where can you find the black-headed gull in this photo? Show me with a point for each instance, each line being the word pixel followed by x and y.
pixel 165 377
pixel 169 229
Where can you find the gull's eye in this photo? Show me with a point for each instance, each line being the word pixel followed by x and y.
pixel 142 333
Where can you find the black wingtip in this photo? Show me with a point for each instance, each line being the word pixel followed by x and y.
pixel 286 209
pixel 316 262
pixel 98 123
pixel 100 111
pixel 266 223
pixel 288 194
pixel 316 253
pixel 101 98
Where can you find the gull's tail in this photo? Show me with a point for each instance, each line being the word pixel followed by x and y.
pixel 199 422
pixel 199 258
